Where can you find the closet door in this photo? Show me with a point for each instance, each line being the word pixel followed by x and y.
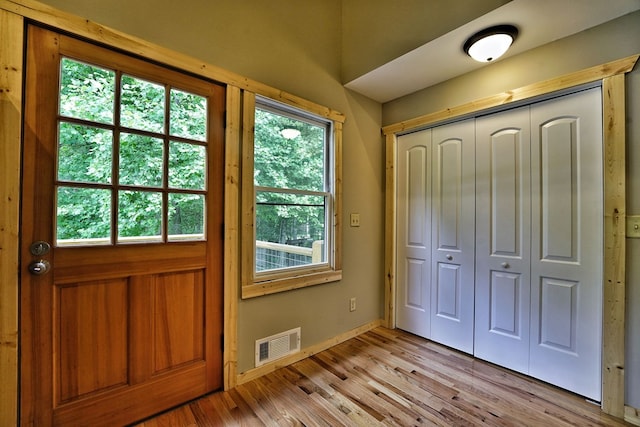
pixel 414 233
pixel 566 268
pixel 503 239
pixel 453 235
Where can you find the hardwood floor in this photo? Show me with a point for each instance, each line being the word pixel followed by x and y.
pixel 389 377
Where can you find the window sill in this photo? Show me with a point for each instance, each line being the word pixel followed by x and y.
pixel 272 286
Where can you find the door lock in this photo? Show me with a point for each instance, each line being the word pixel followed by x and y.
pixel 39 248
pixel 39 267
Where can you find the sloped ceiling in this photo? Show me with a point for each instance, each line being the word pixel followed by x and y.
pixel 392 48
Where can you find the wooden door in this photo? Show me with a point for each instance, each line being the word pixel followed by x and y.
pixel 567 242
pixel 503 222
pixel 123 172
pixel 453 235
pixel 414 233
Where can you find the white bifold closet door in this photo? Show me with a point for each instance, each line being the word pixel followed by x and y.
pixel 539 241
pixel 567 242
pixel 503 215
pixel 413 297
pixel 503 223
pixel 453 235
pixel 435 229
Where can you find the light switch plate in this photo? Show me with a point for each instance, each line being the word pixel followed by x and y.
pixel 633 226
pixel 354 220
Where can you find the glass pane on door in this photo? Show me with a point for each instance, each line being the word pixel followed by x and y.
pixel 86 92
pixel 116 166
pixel 139 216
pixel 142 105
pixel 84 153
pixel 141 160
pixel 83 216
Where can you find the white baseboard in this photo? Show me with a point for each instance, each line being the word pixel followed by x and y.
pixel 254 373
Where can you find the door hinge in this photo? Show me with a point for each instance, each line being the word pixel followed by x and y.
pixel 222 342
pixel 222 230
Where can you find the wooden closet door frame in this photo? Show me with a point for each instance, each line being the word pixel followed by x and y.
pixel 611 76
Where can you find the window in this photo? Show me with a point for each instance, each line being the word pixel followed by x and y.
pixel 131 161
pixel 294 196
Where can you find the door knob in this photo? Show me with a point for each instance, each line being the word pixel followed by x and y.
pixel 39 267
pixel 505 265
pixel 449 257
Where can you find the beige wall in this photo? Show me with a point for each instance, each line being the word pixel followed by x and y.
pixel 610 41
pixel 293 46
pixel 378 31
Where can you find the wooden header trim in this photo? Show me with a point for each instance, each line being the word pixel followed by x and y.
pixel 567 81
pixel 48 15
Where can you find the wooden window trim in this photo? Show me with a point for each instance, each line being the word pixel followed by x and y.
pixel 281 281
pixel 611 76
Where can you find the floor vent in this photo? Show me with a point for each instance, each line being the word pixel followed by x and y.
pixel 277 346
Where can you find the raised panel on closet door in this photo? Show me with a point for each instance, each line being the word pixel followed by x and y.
pixel 453 235
pixel 567 242
pixel 414 233
pixel 503 224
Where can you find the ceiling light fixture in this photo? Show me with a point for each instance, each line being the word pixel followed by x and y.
pixel 491 43
pixel 290 133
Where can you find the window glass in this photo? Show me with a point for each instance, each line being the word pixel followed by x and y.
pixel 84 153
pixel 83 216
pixel 86 91
pixel 297 223
pixel 141 223
pixel 188 115
pixel 288 152
pixel 186 216
pixel 291 189
pixel 121 177
pixel 142 105
pixel 140 160
pixel 187 165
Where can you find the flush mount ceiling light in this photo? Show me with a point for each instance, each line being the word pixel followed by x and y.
pixel 490 43
pixel 290 133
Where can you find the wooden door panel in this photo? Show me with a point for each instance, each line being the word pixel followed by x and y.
pixel 93 338
pixel 123 405
pixel 178 319
pixel 79 264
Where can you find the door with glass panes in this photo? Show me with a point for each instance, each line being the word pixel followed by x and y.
pixel 121 250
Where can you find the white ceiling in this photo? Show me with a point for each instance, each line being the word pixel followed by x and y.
pixel 539 22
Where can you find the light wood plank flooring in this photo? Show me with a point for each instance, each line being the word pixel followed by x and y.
pixel 389 377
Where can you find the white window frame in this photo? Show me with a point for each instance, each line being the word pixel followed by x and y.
pixel 271 281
